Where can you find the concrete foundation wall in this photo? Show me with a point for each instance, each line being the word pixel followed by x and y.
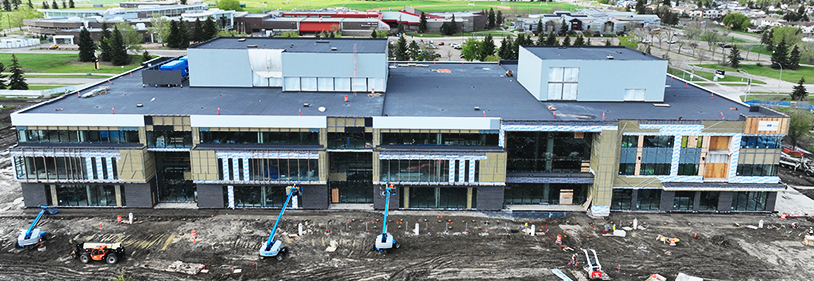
pixel 314 197
pixel 490 197
pixel 34 194
pixel 210 196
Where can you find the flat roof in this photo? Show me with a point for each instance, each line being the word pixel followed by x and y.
pixel 300 45
pixel 425 90
pixel 588 53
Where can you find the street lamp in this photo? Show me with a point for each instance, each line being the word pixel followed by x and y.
pixel 781 78
pixel 748 84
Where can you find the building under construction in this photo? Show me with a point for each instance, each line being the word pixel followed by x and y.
pixel 562 129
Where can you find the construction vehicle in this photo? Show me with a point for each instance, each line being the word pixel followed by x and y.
pixel 275 248
pixel 385 241
pixel 793 163
pixel 108 252
pixel 33 236
pixel 593 267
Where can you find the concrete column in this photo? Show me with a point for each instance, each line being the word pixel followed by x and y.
pixel 771 201
pixel 469 198
pixel 696 202
pixel 634 198
pixel 667 200
pixel 89 167
pixel 549 152
pixel 406 197
pixel 118 195
pixel 639 150
pixel 725 201
pixel 54 197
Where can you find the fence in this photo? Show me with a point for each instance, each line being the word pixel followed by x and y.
pixel 793 104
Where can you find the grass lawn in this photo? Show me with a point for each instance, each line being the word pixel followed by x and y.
pixel 771 97
pixel 709 75
pixel 63 63
pixel 788 75
pixel 46 86
pixel 67 76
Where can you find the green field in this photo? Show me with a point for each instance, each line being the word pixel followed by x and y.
pixel 709 76
pixel 788 75
pixel 63 63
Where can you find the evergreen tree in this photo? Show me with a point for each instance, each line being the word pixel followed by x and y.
pixel 30 5
pixel 539 29
pixel 372 34
pixel 799 93
pixel 499 18
pixel 86 46
pixel 414 51
pixel 794 58
pixel 648 49
pixel 71 4
pixel 505 50
pixel 566 41
pixel 779 56
pixel 16 81
pixel 45 5
pixel 211 28
pixel 607 42
pixel 3 85
pixel 104 43
pixel 580 41
pixel 422 23
pixel 401 50
pixel 172 37
pixel 146 56
pixel 487 48
pixel 640 7
pixel 520 41
pixel 563 28
pixel 6 5
pixel 540 40
pixel 734 57
pixel 667 3
pixel 64 5
pixel 183 38
pixel 198 33
pixel 551 40
pixel 453 26
pixel 16 4
pixel 491 19
pixel 118 55
pixel 183 2
pixel 54 5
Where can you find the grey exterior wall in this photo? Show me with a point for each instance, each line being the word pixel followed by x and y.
pixel 219 68
pixel 140 195
pixel 34 194
pixel 667 200
pixel 314 197
pixel 528 72
pixel 490 197
pixel 378 199
pixel 771 201
pixel 599 80
pixel 634 197
pixel 725 201
pixel 210 196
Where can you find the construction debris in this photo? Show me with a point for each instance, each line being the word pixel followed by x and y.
pixel 685 277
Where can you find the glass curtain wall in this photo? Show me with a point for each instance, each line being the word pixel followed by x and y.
pixel 542 193
pixel 547 151
pixel 257 196
pixel 352 174
pixel 439 139
pixel 83 195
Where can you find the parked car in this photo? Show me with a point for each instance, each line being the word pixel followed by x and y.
pixel 724 45
pixel 456 46
pixel 437 55
pixel 441 44
pixel 671 42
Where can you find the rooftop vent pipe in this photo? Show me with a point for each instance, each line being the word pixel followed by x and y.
pixel 333 48
pixel 610 57
pixel 241 39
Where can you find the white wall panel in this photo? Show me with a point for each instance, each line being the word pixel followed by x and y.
pixel 45 119
pixel 461 123
pixel 258 121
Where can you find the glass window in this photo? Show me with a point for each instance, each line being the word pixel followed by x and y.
pixel 563 83
pixel 438 197
pixel 687 169
pixel 630 141
pixel 415 170
pixel 659 141
pixel 709 201
pixel 439 139
pixel 86 195
pixel 283 169
pixel 78 136
pixel 257 196
pixel 52 168
pixel 651 169
pixel 761 142
pixel 350 140
pixel 749 201
pixel 757 170
pixel 628 169
pixel 634 94
pixel 169 139
pixel 684 200
pixel 621 199
pixel 648 199
pixel 547 151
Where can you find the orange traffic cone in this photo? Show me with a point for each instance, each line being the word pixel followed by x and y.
pixel 559 239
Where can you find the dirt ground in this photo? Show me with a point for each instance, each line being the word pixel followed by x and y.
pixel 449 246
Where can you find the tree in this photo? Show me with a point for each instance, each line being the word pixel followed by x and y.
pixel 607 42
pixel 737 21
pixel 211 28
pixel 540 40
pixel 487 47
pixel 505 50
pixel 183 2
pixel 54 4
pixel 799 93
pixel 779 56
pixel 86 46
pixel 794 58
pixel 45 5
pixel 16 81
pixel 64 5
pixel 580 41
pixel 551 40
pixel 566 41
pixel 499 18
pixel 118 50
pixel 30 5
pixel 104 43
pixel 414 51
pixel 640 7
pixel 3 85
pixel 563 28
pixel 132 39
pixel 183 37
pixel 146 56
pixel 667 3
pixel 422 24
pixel 734 57
pixel 798 127
pixel 490 19
pixel 198 33
pixel 229 5
pixel 539 29
pixel 471 49
pixel 401 50
pixel 791 35
pixel 7 5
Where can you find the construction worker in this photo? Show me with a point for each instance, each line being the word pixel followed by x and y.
pixel 573 260
pixel 811 231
